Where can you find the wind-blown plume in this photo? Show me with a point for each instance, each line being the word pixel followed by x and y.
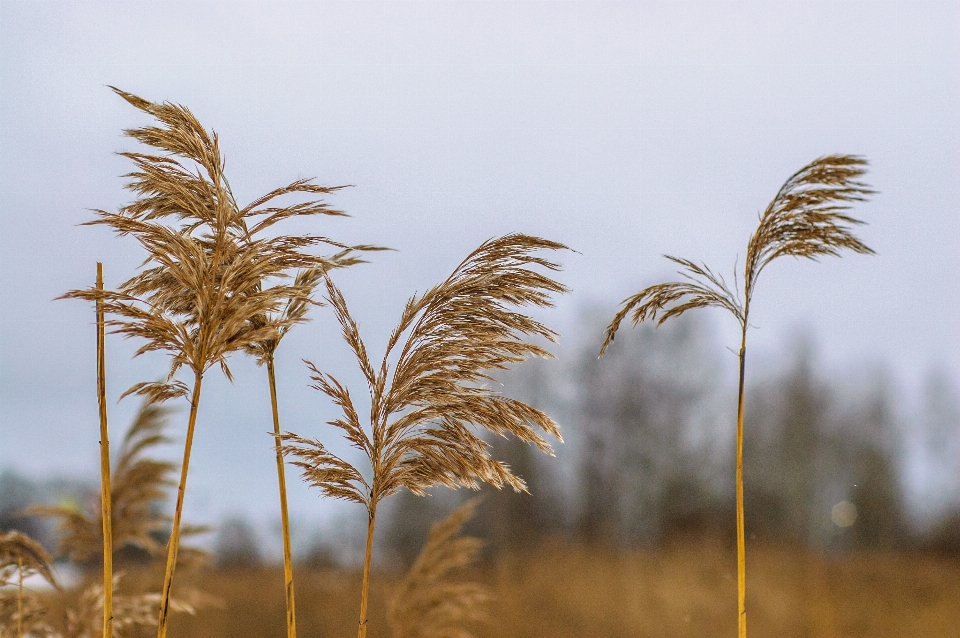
pixel 206 267
pixel 424 405
pixel 428 603
pixel 20 611
pixel 805 219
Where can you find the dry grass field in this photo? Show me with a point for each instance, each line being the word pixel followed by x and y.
pixel 683 590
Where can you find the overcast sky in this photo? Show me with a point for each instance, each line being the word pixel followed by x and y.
pixel 625 130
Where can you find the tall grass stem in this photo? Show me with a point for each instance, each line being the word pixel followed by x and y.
pixel 20 597
pixel 741 536
pixel 371 520
pixel 105 492
pixel 284 516
pixel 174 543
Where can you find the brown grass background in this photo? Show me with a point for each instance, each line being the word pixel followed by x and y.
pixel 685 589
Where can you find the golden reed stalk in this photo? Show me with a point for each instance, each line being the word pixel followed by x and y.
pixel 284 516
pixel 174 543
pixel 20 597
pixel 805 219
pixel 105 493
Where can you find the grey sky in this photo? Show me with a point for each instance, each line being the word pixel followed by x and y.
pixel 625 130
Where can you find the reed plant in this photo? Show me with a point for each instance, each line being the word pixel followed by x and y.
pixel 21 613
pixel 139 486
pixel 205 289
pixel 425 397
pixel 264 351
pixel 805 219
pixel 429 602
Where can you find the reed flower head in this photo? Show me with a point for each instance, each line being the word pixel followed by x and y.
pixel 805 219
pixel 139 483
pixel 203 293
pixel 428 602
pixel 448 340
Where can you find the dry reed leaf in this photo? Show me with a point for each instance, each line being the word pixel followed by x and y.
pixel 428 603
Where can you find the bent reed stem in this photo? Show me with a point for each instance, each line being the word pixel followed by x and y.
pixel 284 517
pixel 741 536
pixel 174 544
pixel 105 491
pixel 371 520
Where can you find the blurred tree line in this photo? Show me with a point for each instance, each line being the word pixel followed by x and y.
pixel 829 463
pixel 648 457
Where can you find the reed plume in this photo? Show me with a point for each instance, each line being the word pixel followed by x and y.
pixel 428 603
pixel 805 219
pixel 422 406
pixel 208 264
pixel 20 612
pixel 130 611
pixel 139 486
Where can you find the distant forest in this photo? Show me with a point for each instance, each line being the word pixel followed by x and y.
pixel 835 464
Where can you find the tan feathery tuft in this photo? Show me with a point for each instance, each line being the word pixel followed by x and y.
pixel 20 610
pixel 805 219
pixel 139 484
pixel 204 290
pixel 428 603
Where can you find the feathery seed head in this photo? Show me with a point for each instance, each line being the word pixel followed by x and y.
pixel 424 406
pixel 805 219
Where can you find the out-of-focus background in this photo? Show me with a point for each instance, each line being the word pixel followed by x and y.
pixel 625 130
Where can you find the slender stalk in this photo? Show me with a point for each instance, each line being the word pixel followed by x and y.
pixel 371 519
pixel 284 517
pixel 20 598
pixel 174 545
pixel 105 492
pixel 741 541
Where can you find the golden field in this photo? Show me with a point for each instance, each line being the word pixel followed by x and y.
pixel 686 589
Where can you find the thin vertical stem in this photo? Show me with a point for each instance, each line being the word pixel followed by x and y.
pixel 741 541
pixel 284 517
pixel 174 545
pixel 362 632
pixel 20 598
pixel 105 491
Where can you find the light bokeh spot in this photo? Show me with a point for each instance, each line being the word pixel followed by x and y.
pixel 844 514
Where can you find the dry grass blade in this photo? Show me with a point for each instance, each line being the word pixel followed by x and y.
pixel 805 219
pixel 428 603
pixel 424 406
